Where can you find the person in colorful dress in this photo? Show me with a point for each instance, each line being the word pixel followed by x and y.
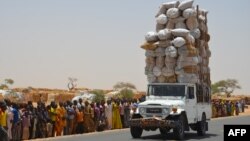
pixel 59 125
pixel 88 121
pixel 80 119
pixel 116 120
pixel 3 132
pixel 25 125
pixel 53 114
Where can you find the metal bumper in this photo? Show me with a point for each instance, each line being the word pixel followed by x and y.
pixel 152 122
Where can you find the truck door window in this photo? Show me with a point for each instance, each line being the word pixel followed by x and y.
pixel 190 92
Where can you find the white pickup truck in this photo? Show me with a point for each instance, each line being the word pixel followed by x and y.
pixel 177 106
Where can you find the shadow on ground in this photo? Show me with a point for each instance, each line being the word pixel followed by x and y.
pixel 170 136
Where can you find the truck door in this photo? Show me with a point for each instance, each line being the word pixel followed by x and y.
pixel 191 105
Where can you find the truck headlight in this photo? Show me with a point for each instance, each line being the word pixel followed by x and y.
pixel 142 110
pixel 165 111
pixel 174 109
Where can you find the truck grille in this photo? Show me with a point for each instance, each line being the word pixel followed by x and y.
pixel 154 110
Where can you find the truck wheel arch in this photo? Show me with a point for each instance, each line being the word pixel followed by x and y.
pixel 201 125
pixel 202 115
pixel 136 116
pixel 185 121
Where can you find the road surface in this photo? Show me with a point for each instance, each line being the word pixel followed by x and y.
pixel 215 133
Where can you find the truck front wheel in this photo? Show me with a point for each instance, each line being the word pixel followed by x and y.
pixel 136 132
pixel 163 131
pixel 179 129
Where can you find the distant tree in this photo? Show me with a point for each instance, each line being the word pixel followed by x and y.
pixel 126 93
pixel 27 90
pixel 124 85
pixel 99 95
pixel 6 84
pixel 72 83
pixel 225 86
pixel 9 81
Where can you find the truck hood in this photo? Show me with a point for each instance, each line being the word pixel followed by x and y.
pixel 162 102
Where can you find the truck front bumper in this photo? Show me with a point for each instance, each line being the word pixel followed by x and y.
pixel 152 122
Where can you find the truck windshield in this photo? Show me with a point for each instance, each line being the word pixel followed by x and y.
pixel 166 90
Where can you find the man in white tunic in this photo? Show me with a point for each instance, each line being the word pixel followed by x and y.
pixel 108 113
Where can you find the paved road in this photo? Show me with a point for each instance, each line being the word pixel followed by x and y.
pixel 215 133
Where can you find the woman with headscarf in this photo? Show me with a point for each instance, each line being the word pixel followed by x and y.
pixel 25 125
pixel 60 112
pixel 232 108
pixel 88 121
pixel 116 120
pixel 127 109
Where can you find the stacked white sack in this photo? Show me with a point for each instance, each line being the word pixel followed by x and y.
pixel 178 51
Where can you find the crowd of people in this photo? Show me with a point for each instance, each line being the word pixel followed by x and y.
pixel 26 121
pixel 222 108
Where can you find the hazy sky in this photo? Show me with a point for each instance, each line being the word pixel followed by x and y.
pixel 44 42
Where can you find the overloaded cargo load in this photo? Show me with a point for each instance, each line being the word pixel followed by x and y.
pixel 177 68
pixel 177 51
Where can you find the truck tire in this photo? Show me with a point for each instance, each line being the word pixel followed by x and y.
pixel 179 129
pixel 201 126
pixel 136 131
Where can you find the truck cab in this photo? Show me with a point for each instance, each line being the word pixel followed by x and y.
pixel 177 106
